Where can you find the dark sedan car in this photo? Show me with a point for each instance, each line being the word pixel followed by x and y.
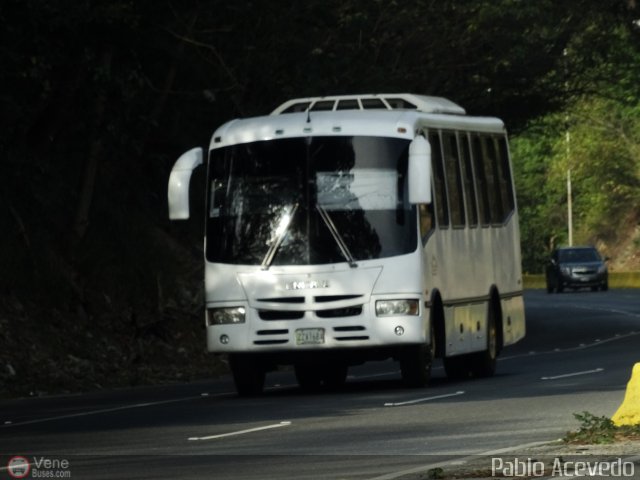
pixel 576 267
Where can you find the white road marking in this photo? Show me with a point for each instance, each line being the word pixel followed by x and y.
pixel 8 424
pixel 575 374
pixel 597 343
pixel 241 432
pixel 420 400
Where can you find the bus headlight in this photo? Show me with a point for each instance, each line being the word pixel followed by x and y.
pixel 225 316
pixel 388 308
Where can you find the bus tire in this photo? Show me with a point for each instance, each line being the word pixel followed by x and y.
pixel 248 375
pixel 415 365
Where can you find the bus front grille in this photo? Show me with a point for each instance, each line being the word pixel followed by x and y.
pixel 273 315
pixel 270 342
pixel 280 314
pixel 340 312
pixel 349 333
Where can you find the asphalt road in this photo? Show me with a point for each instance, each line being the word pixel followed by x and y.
pixel 577 356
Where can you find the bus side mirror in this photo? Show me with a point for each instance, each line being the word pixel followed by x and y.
pixel 419 171
pixel 178 194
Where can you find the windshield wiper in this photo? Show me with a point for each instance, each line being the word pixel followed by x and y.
pixel 281 233
pixel 336 236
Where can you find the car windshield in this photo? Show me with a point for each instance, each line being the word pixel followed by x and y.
pixel 309 200
pixel 576 255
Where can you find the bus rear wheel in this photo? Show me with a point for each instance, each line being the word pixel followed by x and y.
pixel 248 374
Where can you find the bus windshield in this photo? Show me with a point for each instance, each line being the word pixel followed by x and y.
pixel 309 201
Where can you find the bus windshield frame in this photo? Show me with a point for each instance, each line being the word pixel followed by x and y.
pixel 309 201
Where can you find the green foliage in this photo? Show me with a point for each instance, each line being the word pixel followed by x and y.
pixel 593 430
pixel 595 137
pixel 602 152
pixel 599 430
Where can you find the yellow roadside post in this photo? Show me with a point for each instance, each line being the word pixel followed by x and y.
pixel 629 411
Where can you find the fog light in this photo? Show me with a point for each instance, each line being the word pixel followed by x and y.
pixel 399 330
pixel 224 339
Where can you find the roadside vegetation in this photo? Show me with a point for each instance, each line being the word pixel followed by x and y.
pixel 595 430
pixel 97 288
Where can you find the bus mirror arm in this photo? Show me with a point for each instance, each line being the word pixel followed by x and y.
pixel 178 192
pixel 419 171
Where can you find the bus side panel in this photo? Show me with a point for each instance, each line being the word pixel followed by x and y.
pixel 467 328
pixel 513 323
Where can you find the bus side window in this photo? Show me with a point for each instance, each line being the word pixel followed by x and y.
pixel 454 179
pixel 493 179
pixel 506 185
pixel 467 179
pixel 481 181
pixel 441 205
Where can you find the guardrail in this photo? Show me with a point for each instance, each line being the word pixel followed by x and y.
pixel 616 280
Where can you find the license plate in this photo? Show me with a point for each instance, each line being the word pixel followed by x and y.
pixel 309 336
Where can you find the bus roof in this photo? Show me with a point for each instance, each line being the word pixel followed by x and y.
pixel 399 123
pixel 377 101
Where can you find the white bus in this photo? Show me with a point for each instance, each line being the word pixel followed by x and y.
pixel 353 228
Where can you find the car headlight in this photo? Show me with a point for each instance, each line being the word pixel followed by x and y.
pixel 225 316
pixel 602 269
pixel 387 308
pixel 566 270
